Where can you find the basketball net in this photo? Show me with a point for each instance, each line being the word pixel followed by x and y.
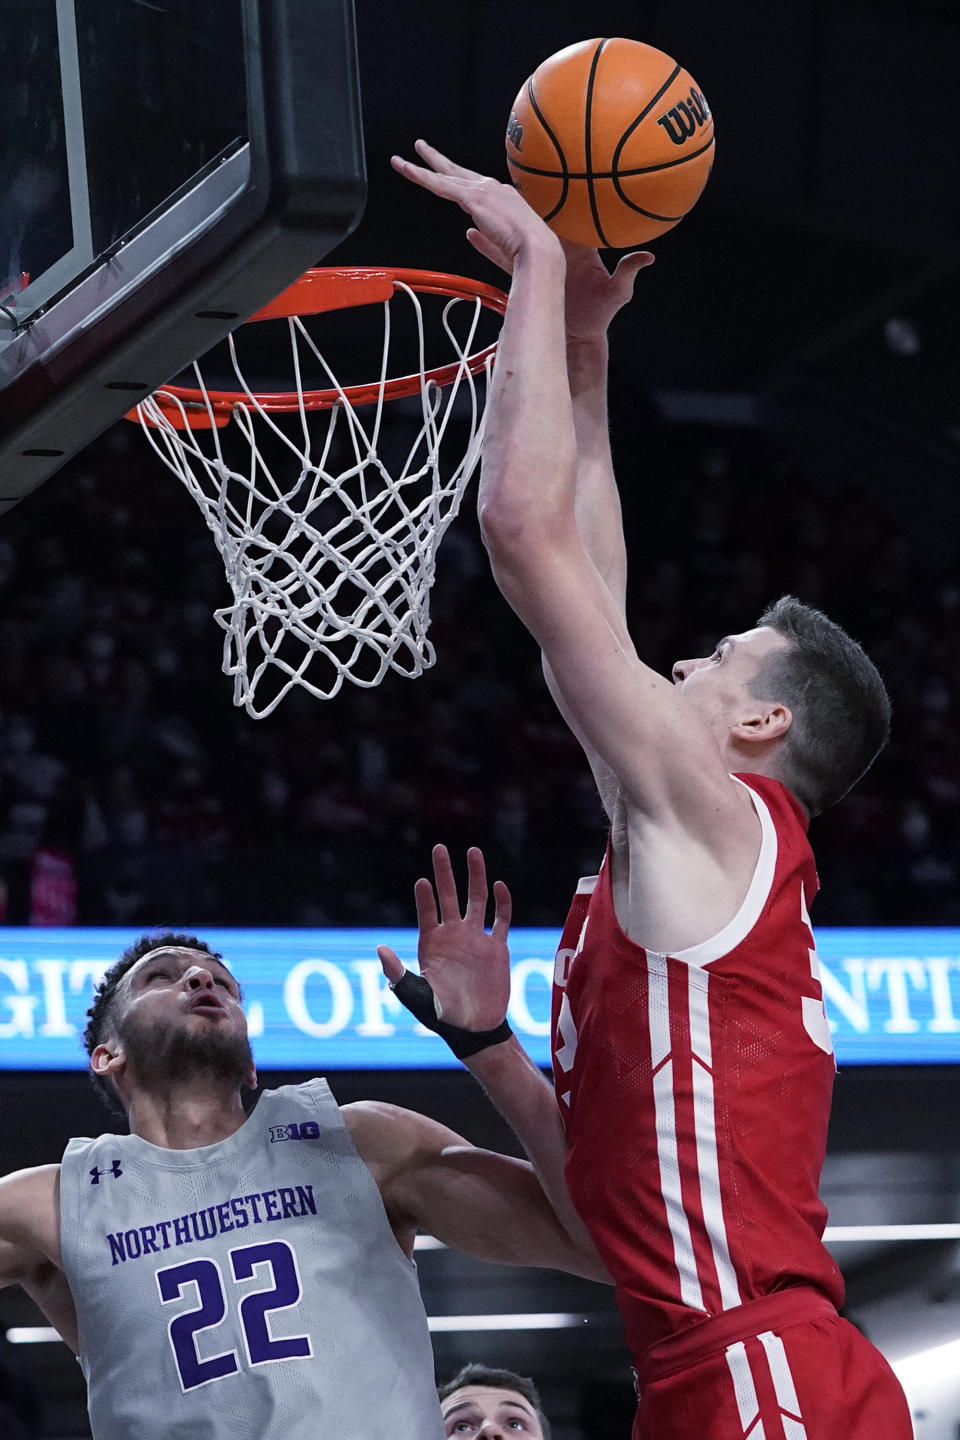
pixel 330 553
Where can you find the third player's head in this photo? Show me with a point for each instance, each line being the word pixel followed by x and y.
pixel 167 1012
pixel 795 698
pixel 481 1403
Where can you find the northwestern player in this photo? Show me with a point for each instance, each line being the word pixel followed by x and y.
pixel 220 1275
pixel 692 1058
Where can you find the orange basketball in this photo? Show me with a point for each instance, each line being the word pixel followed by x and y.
pixel 611 142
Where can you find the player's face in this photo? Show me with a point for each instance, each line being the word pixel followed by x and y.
pixel 480 1412
pixel 719 684
pixel 183 984
pixel 181 1013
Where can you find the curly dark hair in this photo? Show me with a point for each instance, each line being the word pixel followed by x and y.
pixel 493 1379
pixel 99 1013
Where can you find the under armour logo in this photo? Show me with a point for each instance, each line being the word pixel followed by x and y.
pixel 114 1170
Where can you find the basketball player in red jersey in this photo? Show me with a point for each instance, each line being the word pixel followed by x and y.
pixel 692 1058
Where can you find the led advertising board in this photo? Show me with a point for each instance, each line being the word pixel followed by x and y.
pixel 316 999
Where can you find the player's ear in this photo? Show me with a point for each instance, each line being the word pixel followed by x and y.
pixel 251 1081
pixel 766 721
pixel 108 1059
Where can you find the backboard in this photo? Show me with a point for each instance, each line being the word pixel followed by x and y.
pixel 166 168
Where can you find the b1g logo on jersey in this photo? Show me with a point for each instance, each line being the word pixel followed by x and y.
pixel 308 1130
pixel 115 1169
pixel 685 118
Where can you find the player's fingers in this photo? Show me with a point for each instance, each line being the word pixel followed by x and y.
pixel 446 884
pixel 630 266
pixel 463 192
pixel 442 163
pixel 428 180
pixel 504 910
pixel 426 904
pixel 390 963
pixel 476 886
pixel 489 250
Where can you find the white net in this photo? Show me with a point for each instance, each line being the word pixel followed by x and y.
pixel 329 553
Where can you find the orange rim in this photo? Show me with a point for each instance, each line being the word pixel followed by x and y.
pixel 319 290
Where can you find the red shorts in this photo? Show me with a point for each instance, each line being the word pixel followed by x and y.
pixel 785 1367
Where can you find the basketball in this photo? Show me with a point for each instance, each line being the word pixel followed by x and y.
pixel 611 141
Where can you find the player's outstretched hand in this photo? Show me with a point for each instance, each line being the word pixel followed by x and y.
pixel 505 223
pixel 593 293
pixel 467 967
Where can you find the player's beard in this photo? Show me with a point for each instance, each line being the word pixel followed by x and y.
pixel 161 1054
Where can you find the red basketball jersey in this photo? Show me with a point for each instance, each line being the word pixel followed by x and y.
pixel 696 1092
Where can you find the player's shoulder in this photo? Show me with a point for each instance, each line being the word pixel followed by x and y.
pixel 379 1117
pixel 29 1205
pixel 33 1183
pixel 785 811
pixel 388 1136
pixel 706 809
pixel 775 792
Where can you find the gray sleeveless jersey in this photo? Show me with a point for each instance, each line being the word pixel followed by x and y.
pixel 251 1289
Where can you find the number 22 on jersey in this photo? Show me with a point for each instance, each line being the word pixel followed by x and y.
pixel 275 1265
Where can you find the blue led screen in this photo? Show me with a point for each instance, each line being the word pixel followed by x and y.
pixel 316 999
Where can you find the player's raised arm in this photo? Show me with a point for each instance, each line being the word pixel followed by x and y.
pixel 593 296
pixel 621 710
pixel 462 992
pixel 661 750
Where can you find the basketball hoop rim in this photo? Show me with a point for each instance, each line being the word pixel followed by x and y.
pixel 316 291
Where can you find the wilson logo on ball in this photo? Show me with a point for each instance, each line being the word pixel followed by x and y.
pixel 617 142
pixel 685 118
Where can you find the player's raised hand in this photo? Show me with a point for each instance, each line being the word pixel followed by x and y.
pixel 504 223
pixel 467 967
pixel 594 294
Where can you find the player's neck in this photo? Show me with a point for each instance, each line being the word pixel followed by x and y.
pixel 181 1117
pixel 746 765
pixel 751 760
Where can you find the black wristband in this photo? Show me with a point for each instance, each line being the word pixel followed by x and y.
pixel 416 995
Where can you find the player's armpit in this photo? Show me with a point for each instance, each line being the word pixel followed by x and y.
pixel 29 1224
pixel 488 1205
pixel 608 786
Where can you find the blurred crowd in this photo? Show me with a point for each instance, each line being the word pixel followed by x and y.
pixel 133 793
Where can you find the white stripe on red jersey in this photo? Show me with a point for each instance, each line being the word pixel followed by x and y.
pixel 696 1092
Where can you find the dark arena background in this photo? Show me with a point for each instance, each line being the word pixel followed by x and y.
pixel 785 417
